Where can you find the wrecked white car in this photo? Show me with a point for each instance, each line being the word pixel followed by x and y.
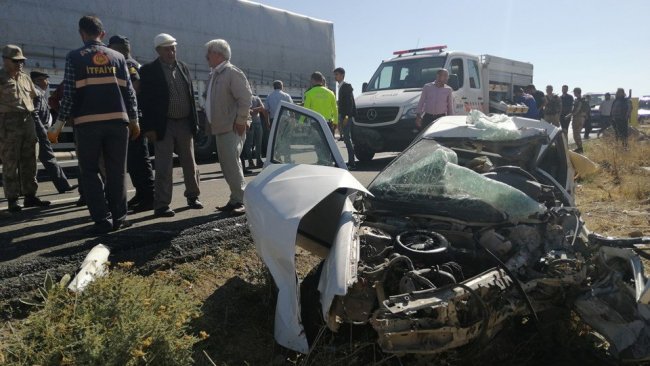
pixel 472 225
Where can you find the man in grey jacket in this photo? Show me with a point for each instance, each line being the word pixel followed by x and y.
pixel 227 107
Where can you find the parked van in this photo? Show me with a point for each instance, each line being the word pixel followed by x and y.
pixel 386 110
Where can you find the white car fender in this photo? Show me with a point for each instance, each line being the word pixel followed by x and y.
pixel 340 267
pixel 276 200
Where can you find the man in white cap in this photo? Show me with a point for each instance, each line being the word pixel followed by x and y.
pixel 169 118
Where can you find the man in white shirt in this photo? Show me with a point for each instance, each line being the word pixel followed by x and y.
pixel 271 105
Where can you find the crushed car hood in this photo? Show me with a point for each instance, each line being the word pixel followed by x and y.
pixel 276 200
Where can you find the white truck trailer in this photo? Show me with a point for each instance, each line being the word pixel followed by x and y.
pixel 267 43
pixel 386 110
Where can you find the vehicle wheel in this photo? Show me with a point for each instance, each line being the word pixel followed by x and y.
pixel 423 246
pixel 205 144
pixel 310 306
pixel 364 155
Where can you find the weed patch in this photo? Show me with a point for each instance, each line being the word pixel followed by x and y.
pixel 120 319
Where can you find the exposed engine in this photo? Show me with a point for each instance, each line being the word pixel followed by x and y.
pixel 427 285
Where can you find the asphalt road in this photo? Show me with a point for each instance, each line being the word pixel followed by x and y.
pixel 56 238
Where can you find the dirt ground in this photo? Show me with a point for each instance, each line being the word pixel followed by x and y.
pixel 220 266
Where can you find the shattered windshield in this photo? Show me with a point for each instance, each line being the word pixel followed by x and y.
pixel 428 174
pixel 406 73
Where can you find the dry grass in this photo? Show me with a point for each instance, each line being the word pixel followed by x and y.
pixel 616 201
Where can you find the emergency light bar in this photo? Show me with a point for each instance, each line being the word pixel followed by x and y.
pixel 432 48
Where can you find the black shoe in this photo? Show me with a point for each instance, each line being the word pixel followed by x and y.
pixel 259 164
pixel 250 163
pixel 134 201
pixel 194 203
pixel 247 171
pixel 142 206
pixel 33 201
pixel 122 224
pixel 14 206
pixel 230 207
pixel 238 210
pixel 70 188
pixel 578 150
pixel 164 212
pixel 81 202
pixel 102 227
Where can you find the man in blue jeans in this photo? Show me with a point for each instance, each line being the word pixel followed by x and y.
pixel 347 111
pixel 253 144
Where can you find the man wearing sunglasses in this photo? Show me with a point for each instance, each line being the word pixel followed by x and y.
pixel 17 135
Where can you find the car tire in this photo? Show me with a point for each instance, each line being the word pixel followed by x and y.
pixel 364 155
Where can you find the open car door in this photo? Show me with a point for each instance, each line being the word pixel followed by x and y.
pixel 302 197
pixel 301 136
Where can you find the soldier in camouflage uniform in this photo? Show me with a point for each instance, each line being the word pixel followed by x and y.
pixel 17 135
pixel 578 115
pixel 552 107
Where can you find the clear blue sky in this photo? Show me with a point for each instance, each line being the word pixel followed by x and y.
pixel 597 45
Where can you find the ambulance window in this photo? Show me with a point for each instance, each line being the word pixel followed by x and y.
pixel 456 67
pixel 404 73
pixel 384 79
pixel 474 80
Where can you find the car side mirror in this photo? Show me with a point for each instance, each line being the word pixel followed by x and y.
pixel 453 82
pixel 364 87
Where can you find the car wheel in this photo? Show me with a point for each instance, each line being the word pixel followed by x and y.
pixel 423 246
pixel 364 155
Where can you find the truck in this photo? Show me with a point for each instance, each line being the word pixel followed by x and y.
pixel 387 107
pixel 267 43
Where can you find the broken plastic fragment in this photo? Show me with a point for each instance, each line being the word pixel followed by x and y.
pixel 93 266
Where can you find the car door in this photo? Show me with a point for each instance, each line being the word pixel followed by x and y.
pixel 301 136
pixel 303 198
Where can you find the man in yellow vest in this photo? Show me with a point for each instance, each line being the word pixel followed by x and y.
pixel 322 100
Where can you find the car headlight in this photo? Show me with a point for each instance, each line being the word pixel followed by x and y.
pixel 411 112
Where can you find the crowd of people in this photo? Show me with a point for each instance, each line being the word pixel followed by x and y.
pixel 117 107
pixel 574 110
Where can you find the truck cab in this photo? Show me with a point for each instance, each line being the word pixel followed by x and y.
pixel 387 108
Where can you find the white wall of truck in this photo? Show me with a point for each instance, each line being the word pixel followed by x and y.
pixel 267 43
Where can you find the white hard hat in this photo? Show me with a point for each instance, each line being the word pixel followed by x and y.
pixel 164 40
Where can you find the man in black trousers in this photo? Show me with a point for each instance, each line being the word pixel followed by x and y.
pixel 347 111
pixel 45 152
pixel 138 163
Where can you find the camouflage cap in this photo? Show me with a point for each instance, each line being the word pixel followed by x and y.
pixel 13 52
